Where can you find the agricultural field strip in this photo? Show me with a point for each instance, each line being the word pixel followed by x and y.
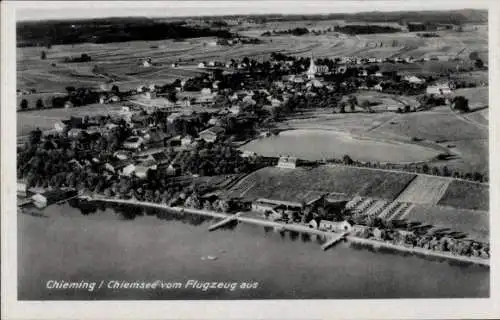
pixel 403 211
pixel 424 189
pixel 407 211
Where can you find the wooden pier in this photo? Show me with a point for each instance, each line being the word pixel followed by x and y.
pixel 224 221
pixel 335 239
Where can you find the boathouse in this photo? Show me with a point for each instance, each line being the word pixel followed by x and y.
pixel 342 226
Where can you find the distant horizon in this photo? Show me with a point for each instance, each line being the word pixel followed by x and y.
pixel 32 11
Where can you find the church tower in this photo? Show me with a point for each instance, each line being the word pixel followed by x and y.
pixel 311 72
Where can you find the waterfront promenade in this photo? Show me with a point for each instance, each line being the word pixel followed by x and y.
pixel 298 228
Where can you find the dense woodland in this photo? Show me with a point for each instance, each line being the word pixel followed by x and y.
pixel 445 17
pixel 47 33
pixel 365 29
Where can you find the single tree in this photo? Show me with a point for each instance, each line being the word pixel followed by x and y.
pixel 479 63
pixel 43 56
pixel 473 55
pixel 70 89
pixel 461 104
pixel 39 104
pixel 24 104
pixel 347 160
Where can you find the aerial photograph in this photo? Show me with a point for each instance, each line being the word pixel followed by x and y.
pixel 237 155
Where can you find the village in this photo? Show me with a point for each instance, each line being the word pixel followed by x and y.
pixel 172 136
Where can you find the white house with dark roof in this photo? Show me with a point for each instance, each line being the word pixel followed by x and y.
pixel 413 79
pixel 342 226
pixel 287 162
pixel 439 89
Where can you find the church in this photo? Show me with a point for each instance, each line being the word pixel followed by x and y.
pixel 315 69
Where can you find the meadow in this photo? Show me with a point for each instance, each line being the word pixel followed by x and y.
pixel 474 223
pixel 462 194
pixel 46 118
pixel 436 125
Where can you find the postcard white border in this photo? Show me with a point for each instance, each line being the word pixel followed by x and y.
pixel 255 309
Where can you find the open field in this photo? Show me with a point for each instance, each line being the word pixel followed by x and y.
pixel 474 223
pixel 433 126
pixel 425 189
pixel 292 185
pixel 461 194
pixel 478 97
pixel 32 99
pixel 46 118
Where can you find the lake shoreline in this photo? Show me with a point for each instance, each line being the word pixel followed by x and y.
pixel 300 228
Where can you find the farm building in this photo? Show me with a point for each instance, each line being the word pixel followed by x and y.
pixel 68 104
pixel 21 187
pixel 275 102
pixel 60 126
pixel 341 69
pixel 439 89
pixel 147 63
pixel 141 170
pixel 314 83
pixel 413 79
pixel 248 154
pixel 214 121
pixel 378 87
pixel 287 162
pixel 235 109
pixel 150 95
pixel 298 80
pixel 128 170
pixel 187 140
pixel 264 205
pixel 201 65
pixel 171 118
pixel 75 132
pixel 211 134
pixel 106 87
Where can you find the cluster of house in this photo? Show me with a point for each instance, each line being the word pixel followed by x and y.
pixel 277 210
pixel 132 161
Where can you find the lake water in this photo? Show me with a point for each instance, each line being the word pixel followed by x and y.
pixel 314 144
pixel 104 246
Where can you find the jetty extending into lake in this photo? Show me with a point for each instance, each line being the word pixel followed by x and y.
pixel 298 228
pixel 224 221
